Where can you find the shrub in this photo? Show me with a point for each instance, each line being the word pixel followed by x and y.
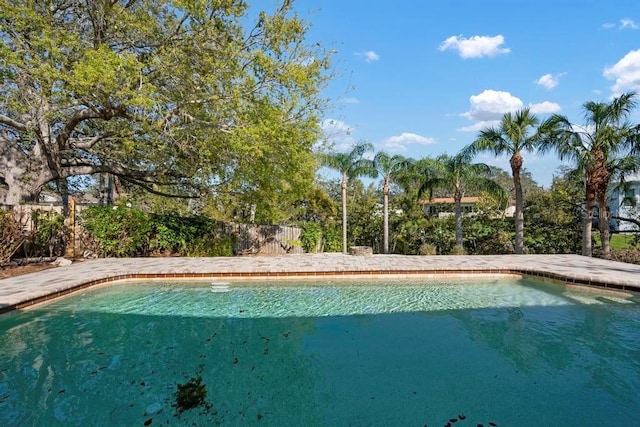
pixel 311 237
pixel 458 250
pixel 427 249
pixel 172 234
pixel 48 236
pixel 332 240
pixel 118 231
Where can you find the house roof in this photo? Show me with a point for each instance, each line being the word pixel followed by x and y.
pixel 445 200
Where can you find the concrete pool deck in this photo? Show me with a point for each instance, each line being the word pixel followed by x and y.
pixel 23 291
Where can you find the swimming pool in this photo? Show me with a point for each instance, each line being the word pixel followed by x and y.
pixel 507 351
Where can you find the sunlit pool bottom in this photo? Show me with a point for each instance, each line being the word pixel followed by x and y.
pixel 507 351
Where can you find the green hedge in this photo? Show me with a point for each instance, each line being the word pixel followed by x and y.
pixel 120 231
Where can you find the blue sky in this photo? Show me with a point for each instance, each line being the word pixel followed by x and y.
pixel 421 78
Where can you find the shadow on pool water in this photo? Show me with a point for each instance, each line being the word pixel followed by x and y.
pixel 526 366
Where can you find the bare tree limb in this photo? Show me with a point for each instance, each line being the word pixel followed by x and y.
pixel 88 143
pixel 152 190
pixel 80 116
pixel 631 220
pixel 8 121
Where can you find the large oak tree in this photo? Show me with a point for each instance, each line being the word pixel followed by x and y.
pixel 173 96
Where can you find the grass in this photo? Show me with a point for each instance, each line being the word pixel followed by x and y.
pixel 618 242
pixel 622 241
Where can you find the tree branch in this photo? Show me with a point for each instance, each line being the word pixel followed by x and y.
pixel 88 143
pixel 74 167
pixel 157 192
pixel 80 116
pixel 631 220
pixel 8 121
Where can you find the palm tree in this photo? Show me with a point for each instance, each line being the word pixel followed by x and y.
pixel 350 165
pixel 458 174
pixel 596 148
pixel 511 137
pixel 388 166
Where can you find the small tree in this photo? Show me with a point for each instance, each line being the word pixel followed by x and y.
pixel 350 165
pixel 388 167
pixel 512 137
pixel 457 175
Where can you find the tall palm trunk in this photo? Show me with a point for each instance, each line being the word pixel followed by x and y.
pixel 385 213
pixel 587 224
pixel 603 225
pixel 516 166
pixel 457 199
pixel 601 182
pixel 344 213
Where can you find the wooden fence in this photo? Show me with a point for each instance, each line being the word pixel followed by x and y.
pixel 265 239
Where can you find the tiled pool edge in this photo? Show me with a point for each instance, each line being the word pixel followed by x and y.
pixel 528 272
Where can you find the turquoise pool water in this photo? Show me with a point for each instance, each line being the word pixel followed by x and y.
pixel 508 351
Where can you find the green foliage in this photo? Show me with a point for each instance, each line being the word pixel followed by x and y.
pixel 553 221
pixel 175 234
pixel 458 250
pixel 427 249
pixel 218 245
pixel 441 233
pixel 179 97
pixel 332 239
pixel 624 241
pixel 411 237
pixel 365 216
pixel 311 237
pixel 49 234
pixel 488 235
pixel 118 231
pixel 121 231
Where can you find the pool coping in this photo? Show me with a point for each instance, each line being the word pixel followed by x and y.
pixel 24 291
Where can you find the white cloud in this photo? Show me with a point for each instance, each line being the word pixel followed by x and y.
pixel 368 55
pixel 338 133
pixel 488 107
pixel 491 105
pixel 400 142
pixel 628 23
pixel 350 100
pixel 477 127
pixel 476 46
pixel 625 72
pixel 545 107
pixel 625 24
pixel 549 81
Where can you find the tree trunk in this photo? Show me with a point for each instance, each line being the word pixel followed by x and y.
pixel 603 225
pixel 516 165
pixel 21 175
pixel 344 213
pixel 600 182
pixel 458 216
pixel 587 224
pixel 385 214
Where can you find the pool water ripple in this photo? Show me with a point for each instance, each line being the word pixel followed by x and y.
pixel 510 351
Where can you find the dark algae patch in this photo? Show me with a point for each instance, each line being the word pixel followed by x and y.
pixel 192 394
